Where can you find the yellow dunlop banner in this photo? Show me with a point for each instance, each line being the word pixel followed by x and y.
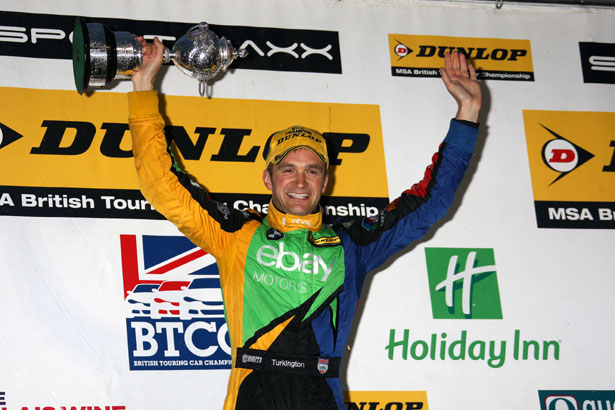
pixel 386 400
pixel 60 140
pixel 572 163
pixel 493 58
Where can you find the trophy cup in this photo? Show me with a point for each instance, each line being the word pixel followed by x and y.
pixel 101 55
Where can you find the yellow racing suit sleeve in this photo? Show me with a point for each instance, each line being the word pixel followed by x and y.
pixel 166 187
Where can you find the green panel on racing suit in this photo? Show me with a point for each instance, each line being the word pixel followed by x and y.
pixel 283 271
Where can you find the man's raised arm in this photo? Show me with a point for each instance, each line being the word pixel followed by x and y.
pixel 409 217
pixel 171 192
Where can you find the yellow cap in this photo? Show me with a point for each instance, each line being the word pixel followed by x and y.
pixel 284 142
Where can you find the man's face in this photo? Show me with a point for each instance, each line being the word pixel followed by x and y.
pixel 297 182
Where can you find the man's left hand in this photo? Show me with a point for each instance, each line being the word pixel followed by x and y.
pixel 459 77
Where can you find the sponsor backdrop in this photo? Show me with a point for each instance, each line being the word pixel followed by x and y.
pixel 506 304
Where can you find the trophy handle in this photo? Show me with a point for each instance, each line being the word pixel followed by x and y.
pixel 168 56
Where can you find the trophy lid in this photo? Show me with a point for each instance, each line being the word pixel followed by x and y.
pixel 81 46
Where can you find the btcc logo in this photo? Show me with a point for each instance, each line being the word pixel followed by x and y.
pixel 150 337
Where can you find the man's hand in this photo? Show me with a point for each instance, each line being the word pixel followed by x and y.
pixel 144 76
pixel 460 80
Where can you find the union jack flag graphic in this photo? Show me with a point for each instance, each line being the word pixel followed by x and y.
pixel 169 276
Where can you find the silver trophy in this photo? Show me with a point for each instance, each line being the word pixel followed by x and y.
pixel 101 55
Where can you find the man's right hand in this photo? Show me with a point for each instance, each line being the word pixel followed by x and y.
pixel 144 76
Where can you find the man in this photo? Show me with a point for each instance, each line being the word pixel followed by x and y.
pixel 290 283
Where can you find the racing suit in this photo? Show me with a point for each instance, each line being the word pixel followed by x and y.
pixel 290 283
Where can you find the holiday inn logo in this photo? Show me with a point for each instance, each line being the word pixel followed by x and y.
pixel 463 283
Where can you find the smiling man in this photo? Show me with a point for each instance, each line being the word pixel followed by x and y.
pixel 290 283
pixel 296 171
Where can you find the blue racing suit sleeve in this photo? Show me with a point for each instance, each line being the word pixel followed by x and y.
pixel 370 242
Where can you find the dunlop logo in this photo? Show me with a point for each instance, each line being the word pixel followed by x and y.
pixel 63 155
pixel 572 165
pixel 497 59
pixel 386 400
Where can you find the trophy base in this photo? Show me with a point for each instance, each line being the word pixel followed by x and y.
pixel 81 55
pixel 101 55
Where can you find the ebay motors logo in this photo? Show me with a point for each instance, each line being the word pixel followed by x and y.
pixel 174 308
pixel 563 156
pixel 290 261
pixel 577 399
